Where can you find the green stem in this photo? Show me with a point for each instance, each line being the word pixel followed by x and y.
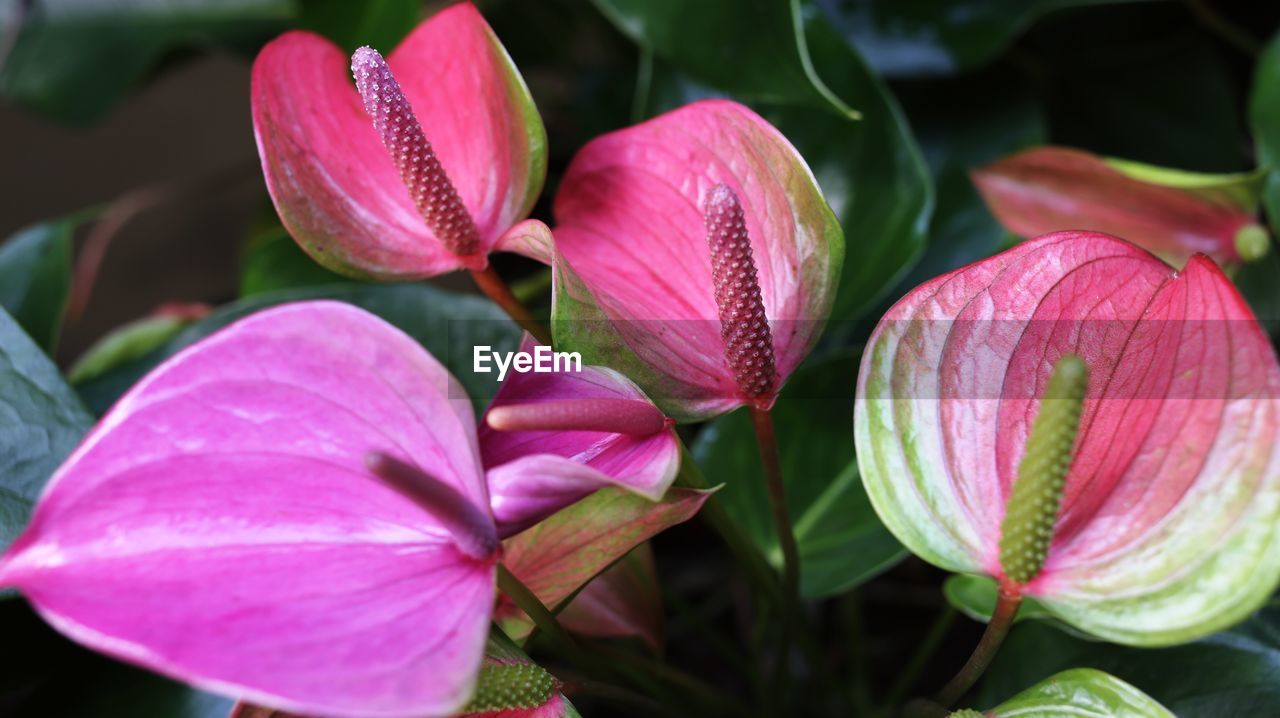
pixel 1001 621
pixel 771 464
pixel 908 676
pixel 542 617
pixel 743 549
pixel 496 289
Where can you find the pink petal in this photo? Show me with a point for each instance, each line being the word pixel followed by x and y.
pixel 533 474
pixel 334 184
pixel 630 227
pixel 1047 189
pixel 219 526
pixel 1176 476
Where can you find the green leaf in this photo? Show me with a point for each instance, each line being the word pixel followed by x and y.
pixel 754 49
pixel 1242 190
pixel 125 344
pixel 381 24
pixel 1081 692
pixel 1264 116
pixel 937 37
pixel 842 542
pixel 273 261
pixel 975 597
pixel 72 59
pixel 449 325
pixel 41 421
pixel 560 554
pixel 35 279
pixel 1233 673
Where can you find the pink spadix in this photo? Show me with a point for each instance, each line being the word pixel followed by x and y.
pixel 744 326
pixel 615 416
pixel 420 169
pixel 473 532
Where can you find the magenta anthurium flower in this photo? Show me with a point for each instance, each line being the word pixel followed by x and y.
pixel 697 255
pixel 293 511
pixel 549 439
pixel 420 168
pixel 1168 519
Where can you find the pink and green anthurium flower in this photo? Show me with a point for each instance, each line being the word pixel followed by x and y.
pixel 1172 213
pixel 295 512
pixel 1145 397
pixel 422 167
pixel 695 253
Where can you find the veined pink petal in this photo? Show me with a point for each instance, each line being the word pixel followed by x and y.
pixel 220 526
pixel 631 233
pixel 1047 189
pixel 335 186
pixel 533 474
pixel 1173 496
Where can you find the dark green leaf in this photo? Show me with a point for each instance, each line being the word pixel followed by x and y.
pixel 754 49
pixel 1233 673
pixel 1264 116
pixel 842 542
pixel 273 261
pixel 381 24
pixel 448 324
pixel 936 37
pixel 35 279
pixel 41 421
pixel 73 59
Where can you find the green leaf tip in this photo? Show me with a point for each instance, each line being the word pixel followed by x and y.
pixel 508 686
pixel 1033 507
pixel 1252 242
pixel 966 713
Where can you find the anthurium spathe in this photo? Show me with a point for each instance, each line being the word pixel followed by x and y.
pixel 420 168
pixel 293 511
pixel 697 255
pixel 1172 213
pixel 1170 500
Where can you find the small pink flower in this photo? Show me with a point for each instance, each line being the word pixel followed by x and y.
pixel 697 255
pixel 422 168
pixel 295 512
pixel 1170 511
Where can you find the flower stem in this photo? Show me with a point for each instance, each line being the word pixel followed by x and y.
pixel 997 628
pixel 767 439
pixel 541 616
pixel 496 289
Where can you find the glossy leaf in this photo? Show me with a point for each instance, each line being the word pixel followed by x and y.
pixel 41 421
pixel 636 199
pixel 1081 692
pixel 623 601
pixel 35 279
pixel 272 261
pixel 224 509
pixel 1232 673
pixel 448 324
pixel 1264 116
pixel 559 555
pixel 1152 546
pixel 842 542
pixel 72 59
pixel 1048 189
pixel 754 49
pixel 333 182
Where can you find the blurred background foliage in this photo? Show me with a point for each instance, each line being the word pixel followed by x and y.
pixel 130 183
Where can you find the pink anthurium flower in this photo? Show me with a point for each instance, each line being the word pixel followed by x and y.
pixel 1171 213
pixel 421 168
pixel 549 439
pixel 1170 508
pixel 295 512
pixel 696 254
